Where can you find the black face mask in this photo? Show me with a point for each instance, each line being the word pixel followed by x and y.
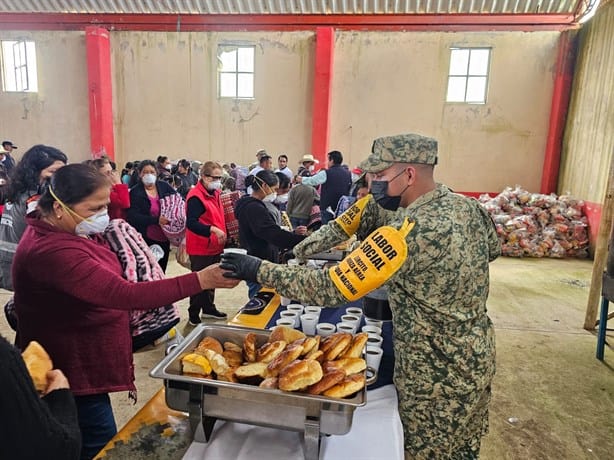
pixel 379 190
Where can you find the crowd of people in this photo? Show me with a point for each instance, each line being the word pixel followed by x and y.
pixel 72 269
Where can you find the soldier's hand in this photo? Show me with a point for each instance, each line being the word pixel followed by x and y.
pixel 240 266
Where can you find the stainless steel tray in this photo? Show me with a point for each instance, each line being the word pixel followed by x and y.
pixel 207 400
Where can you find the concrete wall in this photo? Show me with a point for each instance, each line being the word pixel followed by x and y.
pixel 165 99
pixel 58 113
pixel 389 83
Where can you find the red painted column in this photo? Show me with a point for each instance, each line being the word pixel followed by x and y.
pixel 563 79
pixel 322 83
pixel 100 91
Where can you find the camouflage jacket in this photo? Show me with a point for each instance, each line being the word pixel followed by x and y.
pixel 438 297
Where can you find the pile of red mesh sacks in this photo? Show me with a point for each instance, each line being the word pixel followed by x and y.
pixel 536 225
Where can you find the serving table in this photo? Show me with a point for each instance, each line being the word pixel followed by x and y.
pixel 158 432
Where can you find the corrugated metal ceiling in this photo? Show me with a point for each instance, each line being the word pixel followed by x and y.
pixel 355 7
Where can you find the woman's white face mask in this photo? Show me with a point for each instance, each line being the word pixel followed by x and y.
pixel 93 224
pixel 149 179
pixel 281 199
pixel 270 197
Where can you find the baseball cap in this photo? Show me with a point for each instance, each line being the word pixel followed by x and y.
pixel 402 148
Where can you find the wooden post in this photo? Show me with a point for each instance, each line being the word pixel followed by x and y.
pixel 601 252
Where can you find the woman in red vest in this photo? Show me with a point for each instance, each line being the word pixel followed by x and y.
pixel 205 235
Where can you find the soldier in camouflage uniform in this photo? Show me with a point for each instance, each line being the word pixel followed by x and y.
pixel 444 341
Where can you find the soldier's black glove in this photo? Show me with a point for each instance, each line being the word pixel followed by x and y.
pixel 240 266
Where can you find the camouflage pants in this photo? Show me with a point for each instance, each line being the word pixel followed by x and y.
pixel 453 433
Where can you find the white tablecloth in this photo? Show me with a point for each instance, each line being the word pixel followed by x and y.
pixel 376 434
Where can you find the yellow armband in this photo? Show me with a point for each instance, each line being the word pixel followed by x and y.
pixel 366 268
pixel 350 219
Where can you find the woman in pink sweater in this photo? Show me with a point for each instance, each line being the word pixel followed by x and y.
pixel 71 297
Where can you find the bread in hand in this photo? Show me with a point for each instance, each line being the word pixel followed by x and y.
pixel 38 364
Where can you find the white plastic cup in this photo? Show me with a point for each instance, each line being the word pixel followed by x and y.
pixel 309 323
pixel 285 301
pixel 351 319
pixel 372 329
pixel 373 322
pixel 354 311
pixel 345 327
pixel 325 329
pixel 297 307
pixel 373 356
pixel 235 251
pixel 313 310
pixel 291 315
pixel 374 340
pixel 288 322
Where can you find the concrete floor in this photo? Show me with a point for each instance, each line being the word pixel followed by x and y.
pixel 551 398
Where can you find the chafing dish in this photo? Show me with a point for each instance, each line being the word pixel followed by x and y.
pixel 207 400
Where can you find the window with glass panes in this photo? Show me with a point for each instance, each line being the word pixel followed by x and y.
pixel 19 66
pixel 468 75
pixel 236 71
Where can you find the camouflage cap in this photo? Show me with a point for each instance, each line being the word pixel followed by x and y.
pixel 402 148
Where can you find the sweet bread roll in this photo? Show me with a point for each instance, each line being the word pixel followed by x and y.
pixel 316 355
pixel 209 343
pixel 251 370
pixel 228 376
pixel 309 344
pixel 285 333
pixel 283 359
pixel 348 365
pixel 271 383
pixel 269 351
pixel 196 365
pixel 217 361
pixel 230 346
pixel 335 344
pixel 233 358
pixel 300 374
pixel 329 380
pixel 358 344
pixel 38 364
pixel 347 387
pixel 249 347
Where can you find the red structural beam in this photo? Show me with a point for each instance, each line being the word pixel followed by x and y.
pixel 322 83
pixel 287 22
pixel 561 93
pixel 100 91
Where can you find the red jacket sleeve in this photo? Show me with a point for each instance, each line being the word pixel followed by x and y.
pixel 120 196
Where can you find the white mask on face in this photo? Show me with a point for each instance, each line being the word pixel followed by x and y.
pixel 149 179
pixel 311 168
pixel 281 199
pixel 93 224
pixel 168 167
pixel 215 185
pixel 270 197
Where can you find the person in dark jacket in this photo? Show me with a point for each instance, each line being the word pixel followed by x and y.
pixel 335 181
pixel 40 427
pixel 184 180
pixel 144 212
pixel 258 232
